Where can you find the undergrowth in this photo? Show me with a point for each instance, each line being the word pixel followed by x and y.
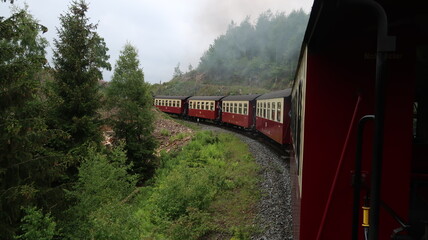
pixel 208 189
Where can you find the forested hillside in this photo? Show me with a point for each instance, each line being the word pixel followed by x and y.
pixel 260 55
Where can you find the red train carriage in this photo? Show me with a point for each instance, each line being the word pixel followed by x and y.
pixel 358 96
pixel 171 104
pixel 206 107
pixel 239 110
pixel 272 115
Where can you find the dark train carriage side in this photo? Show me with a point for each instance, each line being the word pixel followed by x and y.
pixel 205 107
pixel 239 110
pixel 272 115
pixel 171 104
pixel 349 69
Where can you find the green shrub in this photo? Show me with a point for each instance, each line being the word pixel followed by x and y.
pixel 165 132
pixel 37 226
pixel 200 190
pixel 179 136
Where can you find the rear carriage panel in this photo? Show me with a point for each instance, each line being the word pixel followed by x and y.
pixel 333 89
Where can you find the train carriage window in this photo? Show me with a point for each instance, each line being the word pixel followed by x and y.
pixel 257 109
pixel 179 103
pixel 273 111
pixel 212 106
pixel 268 111
pixel 278 116
pixel 224 107
pixel 245 109
pixel 240 108
pixel 173 103
pixel 198 105
pixel 264 110
pixel 227 107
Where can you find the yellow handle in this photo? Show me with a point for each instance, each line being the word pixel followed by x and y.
pixel 366 211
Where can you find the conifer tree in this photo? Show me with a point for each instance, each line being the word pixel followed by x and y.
pixel 130 102
pixel 79 55
pixel 27 166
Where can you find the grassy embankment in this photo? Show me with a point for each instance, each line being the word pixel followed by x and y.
pixel 208 189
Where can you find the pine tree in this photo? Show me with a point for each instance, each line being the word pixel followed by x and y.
pixel 79 55
pixel 130 102
pixel 27 166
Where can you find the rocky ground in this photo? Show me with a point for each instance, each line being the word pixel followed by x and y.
pixel 274 210
pixel 170 134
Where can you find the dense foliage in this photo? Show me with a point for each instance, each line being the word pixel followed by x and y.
pixel 130 103
pixel 27 165
pixel 209 188
pixel 99 211
pixel 79 55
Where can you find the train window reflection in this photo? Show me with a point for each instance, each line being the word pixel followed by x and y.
pixel 273 111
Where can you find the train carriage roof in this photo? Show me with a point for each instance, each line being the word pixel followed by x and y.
pixel 277 94
pixel 211 98
pixel 241 97
pixel 172 97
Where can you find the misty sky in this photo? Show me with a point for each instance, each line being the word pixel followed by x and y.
pixel 165 32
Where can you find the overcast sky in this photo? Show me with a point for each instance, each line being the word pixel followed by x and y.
pixel 165 32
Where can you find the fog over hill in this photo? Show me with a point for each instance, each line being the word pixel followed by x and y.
pixel 262 55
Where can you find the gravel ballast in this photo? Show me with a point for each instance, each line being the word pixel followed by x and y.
pixel 274 210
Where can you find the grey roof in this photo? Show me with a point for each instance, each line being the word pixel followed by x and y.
pixel 241 97
pixel 215 98
pixel 172 97
pixel 277 94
